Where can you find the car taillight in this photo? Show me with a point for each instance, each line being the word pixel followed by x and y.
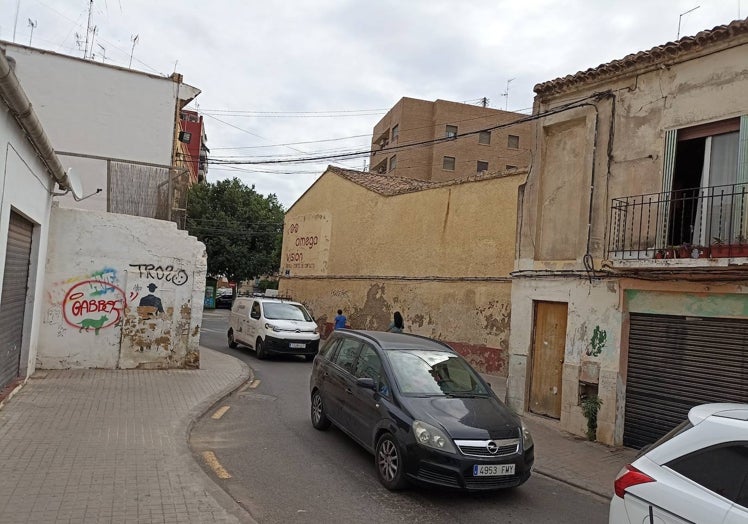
pixel 629 476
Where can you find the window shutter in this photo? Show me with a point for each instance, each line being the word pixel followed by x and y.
pixel 671 141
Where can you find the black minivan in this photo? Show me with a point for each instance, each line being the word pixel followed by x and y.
pixel 426 415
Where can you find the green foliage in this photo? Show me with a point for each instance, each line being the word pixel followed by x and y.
pixel 590 406
pixel 264 285
pixel 241 229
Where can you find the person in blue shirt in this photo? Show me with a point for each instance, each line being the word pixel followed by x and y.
pixel 340 320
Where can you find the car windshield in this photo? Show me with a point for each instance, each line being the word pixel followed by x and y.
pixel 434 373
pixel 283 311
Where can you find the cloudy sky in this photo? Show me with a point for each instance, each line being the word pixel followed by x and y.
pixel 287 80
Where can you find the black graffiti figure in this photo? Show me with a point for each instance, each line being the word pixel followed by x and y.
pixel 152 300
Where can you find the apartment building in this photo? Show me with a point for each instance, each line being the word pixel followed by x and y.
pixel 442 140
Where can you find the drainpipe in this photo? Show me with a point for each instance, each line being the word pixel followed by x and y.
pixel 18 103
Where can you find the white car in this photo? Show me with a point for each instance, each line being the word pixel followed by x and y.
pixel 697 473
pixel 273 326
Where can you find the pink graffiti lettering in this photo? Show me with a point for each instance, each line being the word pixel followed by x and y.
pixel 83 308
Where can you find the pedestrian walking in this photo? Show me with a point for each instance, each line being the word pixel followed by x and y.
pixel 397 325
pixel 340 320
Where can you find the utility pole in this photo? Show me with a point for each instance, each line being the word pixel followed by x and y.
pixel 134 39
pixel 484 102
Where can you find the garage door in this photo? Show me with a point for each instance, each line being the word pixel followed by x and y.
pixel 13 299
pixel 676 363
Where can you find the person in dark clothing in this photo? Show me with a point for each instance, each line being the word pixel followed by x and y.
pixel 397 325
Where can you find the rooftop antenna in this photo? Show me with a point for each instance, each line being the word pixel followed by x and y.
pixel 103 52
pixel 88 28
pixel 506 94
pixel 134 39
pixel 681 16
pixel 32 24
pixel 484 102
pixel 18 7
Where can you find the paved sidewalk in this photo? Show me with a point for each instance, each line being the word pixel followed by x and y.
pixel 79 446
pixel 569 458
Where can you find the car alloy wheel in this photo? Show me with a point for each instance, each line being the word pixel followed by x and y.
pixel 389 463
pixel 259 349
pixel 319 419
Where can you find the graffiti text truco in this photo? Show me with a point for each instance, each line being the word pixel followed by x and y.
pixel 177 277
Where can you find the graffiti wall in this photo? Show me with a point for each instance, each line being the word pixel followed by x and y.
pixel 121 292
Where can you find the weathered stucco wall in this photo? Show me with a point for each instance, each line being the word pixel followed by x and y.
pixel 472 317
pixel 622 144
pixel 440 256
pixel 121 292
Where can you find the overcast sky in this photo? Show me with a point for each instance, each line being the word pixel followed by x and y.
pixel 305 78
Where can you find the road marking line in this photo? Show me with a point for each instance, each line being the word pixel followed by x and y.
pixel 255 383
pixel 220 412
pixel 210 459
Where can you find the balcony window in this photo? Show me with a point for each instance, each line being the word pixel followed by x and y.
pixel 395 132
pixel 482 166
pixel 451 132
pixel 448 163
pixel 484 137
pixel 393 162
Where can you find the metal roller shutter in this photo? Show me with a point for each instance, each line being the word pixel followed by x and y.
pixel 13 299
pixel 676 363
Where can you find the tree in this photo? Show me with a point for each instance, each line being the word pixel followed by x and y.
pixel 241 229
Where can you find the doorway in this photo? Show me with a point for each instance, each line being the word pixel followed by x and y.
pixel 548 348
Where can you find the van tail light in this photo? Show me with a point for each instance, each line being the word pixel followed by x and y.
pixel 629 476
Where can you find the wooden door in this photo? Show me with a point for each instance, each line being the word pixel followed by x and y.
pixel 548 346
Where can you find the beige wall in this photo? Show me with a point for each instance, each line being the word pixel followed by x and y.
pixel 609 148
pixel 441 256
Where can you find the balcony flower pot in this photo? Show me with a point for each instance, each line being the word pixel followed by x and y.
pixel 729 250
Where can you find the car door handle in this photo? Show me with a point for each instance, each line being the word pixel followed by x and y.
pixel 349 391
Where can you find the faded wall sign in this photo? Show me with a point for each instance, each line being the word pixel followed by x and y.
pixel 306 243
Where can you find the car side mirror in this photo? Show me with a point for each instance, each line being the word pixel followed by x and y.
pixel 366 383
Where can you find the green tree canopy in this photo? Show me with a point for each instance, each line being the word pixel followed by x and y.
pixel 241 229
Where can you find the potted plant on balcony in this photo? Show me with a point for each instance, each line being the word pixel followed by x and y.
pixel 721 249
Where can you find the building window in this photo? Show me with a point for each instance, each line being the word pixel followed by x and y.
pixel 702 165
pixel 482 166
pixel 395 132
pixel 393 162
pixel 381 167
pixel 484 137
pixel 451 132
pixel 448 163
pixel 512 142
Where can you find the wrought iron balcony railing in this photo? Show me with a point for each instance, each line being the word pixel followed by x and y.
pixel 684 223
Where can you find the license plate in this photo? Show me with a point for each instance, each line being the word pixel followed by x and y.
pixel 493 470
pixel 297 345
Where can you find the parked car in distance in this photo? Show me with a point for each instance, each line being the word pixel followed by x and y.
pixel 224 301
pixel 418 406
pixel 698 472
pixel 273 326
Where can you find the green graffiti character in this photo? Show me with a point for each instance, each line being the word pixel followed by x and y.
pixel 599 336
pixel 95 323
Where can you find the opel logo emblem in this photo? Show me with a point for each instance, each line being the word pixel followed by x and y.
pixel 493 448
pixel 298 330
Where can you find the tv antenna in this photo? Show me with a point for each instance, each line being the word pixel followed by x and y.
pixel 88 29
pixel 505 94
pixel 103 53
pixel 32 24
pixel 681 16
pixel 134 40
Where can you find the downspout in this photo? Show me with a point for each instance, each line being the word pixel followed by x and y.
pixel 19 105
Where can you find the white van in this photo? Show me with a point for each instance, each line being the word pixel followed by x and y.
pixel 272 325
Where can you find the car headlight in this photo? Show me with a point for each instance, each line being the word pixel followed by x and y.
pixel 527 442
pixel 271 326
pixel 432 437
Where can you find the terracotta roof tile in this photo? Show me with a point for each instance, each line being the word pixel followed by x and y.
pixel 388 185
pixel 642 58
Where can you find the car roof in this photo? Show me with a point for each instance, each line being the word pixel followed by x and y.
pixel 269 299
pixel 725 410
pixel 387 340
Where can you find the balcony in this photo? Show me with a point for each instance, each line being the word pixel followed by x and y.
pixel 697 223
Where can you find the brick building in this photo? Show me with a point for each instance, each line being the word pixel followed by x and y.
pixel 442 140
